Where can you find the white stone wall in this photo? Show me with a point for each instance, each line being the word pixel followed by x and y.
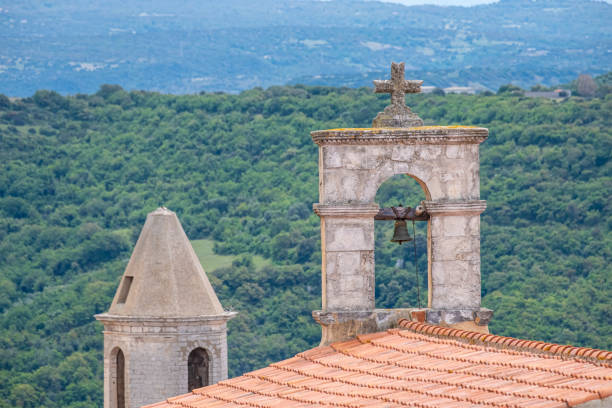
pixel 352 174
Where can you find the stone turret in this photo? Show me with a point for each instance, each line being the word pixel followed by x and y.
pixel 165 332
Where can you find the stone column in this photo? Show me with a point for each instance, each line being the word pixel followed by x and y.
pixel 347 243
pixel 348 256
pixel 454 284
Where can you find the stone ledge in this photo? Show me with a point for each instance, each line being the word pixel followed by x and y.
pixel 472 207
pixel 346 210
pixel 345 325
pixel 481 316
pixel 441 135
pixel 151 321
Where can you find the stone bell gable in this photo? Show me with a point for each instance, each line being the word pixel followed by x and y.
pixel 165 332
pixel 353 163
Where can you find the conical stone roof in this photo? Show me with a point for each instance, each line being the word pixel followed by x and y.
pixel 164 277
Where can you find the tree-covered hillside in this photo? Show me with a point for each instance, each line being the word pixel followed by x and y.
pixel 79 174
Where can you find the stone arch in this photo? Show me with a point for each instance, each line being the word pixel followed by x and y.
pixel 198 368
pixel 118 378
pixel 414 202
pixel 381 180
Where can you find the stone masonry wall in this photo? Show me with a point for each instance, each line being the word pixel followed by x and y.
pixel 353 173
pixel 156 359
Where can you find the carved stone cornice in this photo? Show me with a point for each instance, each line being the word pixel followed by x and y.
pixel 471 207
pixel 152 321
pixel 345 210
pixel 437 135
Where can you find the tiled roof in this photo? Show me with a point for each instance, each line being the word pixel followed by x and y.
pixel 419 365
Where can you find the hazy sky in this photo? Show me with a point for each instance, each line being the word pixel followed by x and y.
pixel 441 2
pixel 448 2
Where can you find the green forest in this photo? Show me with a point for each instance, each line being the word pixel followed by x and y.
pixel 79 174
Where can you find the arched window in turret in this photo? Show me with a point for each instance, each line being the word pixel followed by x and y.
pixel 117 378
pixel 198 365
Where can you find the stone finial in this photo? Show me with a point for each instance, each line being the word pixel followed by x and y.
pixel 397 115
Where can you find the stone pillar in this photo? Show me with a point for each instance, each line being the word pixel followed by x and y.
pixel 454 283
pixel 347 271
pixel 348 257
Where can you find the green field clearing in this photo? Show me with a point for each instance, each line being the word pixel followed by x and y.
pixel 211 261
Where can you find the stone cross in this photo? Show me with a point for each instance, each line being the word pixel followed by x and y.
pixel 397 114
pixel 398 87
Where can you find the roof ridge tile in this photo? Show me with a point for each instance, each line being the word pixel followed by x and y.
pixel 600 357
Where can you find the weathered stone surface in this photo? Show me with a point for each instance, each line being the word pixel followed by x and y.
pixel 455 297
pixel 349 281
pixel 340 326
pixel 483 316
pixel 357 179
pixel 349 234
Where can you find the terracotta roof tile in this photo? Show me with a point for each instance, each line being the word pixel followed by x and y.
pixel 419 365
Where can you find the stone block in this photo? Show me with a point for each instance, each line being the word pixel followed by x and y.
pixel 455 226
pixel 455 297
pixel 450 248
pixel 403 153
pixel 474 226
pixel 332 158
pixel 354 158
pixel 473 182
pixel 437 227
pixel 349 234
pixel 376 157
pixel 349 280
pixel 455 151
pixel 472 153
pixel 429 152
pixel 346 186
pixel 449 273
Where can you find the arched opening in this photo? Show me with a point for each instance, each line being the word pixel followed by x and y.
pixel 396 277
pixel 198 366
pixel 117 378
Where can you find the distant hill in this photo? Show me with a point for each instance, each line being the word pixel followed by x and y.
pixel 233 45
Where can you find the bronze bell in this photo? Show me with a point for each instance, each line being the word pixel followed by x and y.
pixel 400 233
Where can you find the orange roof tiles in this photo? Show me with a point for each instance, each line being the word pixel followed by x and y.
pixel 419 365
